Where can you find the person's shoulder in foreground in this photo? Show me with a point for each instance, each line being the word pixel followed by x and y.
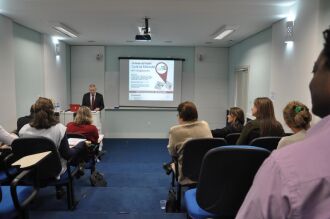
pixel 286 181
pixel 294 182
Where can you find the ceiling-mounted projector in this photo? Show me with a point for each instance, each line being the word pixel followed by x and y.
pixel 144 32
pixel 144 37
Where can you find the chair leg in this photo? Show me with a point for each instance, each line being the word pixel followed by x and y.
pixel 173 179
pixel 23 214
pixel 70 196
pixel 178 197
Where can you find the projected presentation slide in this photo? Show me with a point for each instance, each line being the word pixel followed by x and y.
pixel 151 80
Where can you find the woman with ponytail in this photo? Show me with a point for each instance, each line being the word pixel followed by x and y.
pixel 298 118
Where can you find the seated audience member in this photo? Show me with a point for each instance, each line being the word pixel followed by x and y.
pixel 235 120
pixel 44 124
pixel 298 118
pixel 6 138
pixel 25 119
pixel 294 182
pixel 82 124
pixel 188 127
pixel 265 123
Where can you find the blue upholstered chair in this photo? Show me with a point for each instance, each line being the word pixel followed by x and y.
pixel 232 138
pixel 49 168
pixel 15 199
pixel 193 153
pixel 270 142
pixel 226 175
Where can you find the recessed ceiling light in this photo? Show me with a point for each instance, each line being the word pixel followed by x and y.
pixel 62 28
pixel 223 32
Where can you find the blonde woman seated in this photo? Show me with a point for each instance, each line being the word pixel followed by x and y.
pixel 298 118
pixel 82 124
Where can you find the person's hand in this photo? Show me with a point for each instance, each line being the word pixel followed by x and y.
pixel 97 109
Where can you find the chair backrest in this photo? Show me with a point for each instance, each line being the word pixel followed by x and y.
pixel 226 176
pixel 193 153
pixel 232 138
pixel 270 143
pixel 51 166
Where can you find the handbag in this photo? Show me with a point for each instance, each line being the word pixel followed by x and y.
pixel 97 179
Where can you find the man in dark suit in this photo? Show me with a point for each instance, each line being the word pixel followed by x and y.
pixel 92 99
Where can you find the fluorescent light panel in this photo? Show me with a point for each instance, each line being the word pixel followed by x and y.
pixel 224 31
pixel 223 34
pixel 65 30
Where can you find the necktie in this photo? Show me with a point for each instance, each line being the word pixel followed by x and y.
pixel 93 102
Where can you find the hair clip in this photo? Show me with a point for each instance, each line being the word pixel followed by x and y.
pixel 297 109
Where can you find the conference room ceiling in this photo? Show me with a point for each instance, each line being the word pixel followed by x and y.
pixel 172 22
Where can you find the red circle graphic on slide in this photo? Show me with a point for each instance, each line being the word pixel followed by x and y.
pixel 161 69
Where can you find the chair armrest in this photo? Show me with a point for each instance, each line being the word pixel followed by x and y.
pixel 13 191
pixel 31 160
pixel 7 161
pixel 176 165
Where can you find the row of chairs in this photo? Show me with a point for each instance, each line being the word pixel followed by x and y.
pixel 45 175
pixel 194 151
pixel 269 142
pixel 226 175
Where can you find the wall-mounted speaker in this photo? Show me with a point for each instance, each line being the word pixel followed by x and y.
pixel 99 56
pixel 200 57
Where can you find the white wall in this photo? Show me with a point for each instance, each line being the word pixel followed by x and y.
pixel 204 83
pixel 28 69
pixel 55 75
pixel 86 69
pixel 285 70
pixel 255 53
pixel 291 67
pixel 7 74
pixel 211 77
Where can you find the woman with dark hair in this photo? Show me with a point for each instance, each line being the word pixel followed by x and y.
pixel 82 124
pixel 235 123
pixel 298 118
pixel 265 123
pixel 44 124
pixel 189 127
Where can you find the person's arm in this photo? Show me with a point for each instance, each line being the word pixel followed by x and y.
pixel 66 152
pixel 220 133
pixel 6 137
pixel 94 134
pixel 244 137
pixel 171 144
pixel 85 101
pixel 268 196
pixel 101 103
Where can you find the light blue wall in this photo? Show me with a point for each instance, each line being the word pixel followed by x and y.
pixel 142 123
pixel 28 67
pixel 113 52
pixel 254 52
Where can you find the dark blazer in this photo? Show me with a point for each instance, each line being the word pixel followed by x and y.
pixel 98 100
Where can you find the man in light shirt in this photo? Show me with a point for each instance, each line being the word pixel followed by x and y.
pixel 294 182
